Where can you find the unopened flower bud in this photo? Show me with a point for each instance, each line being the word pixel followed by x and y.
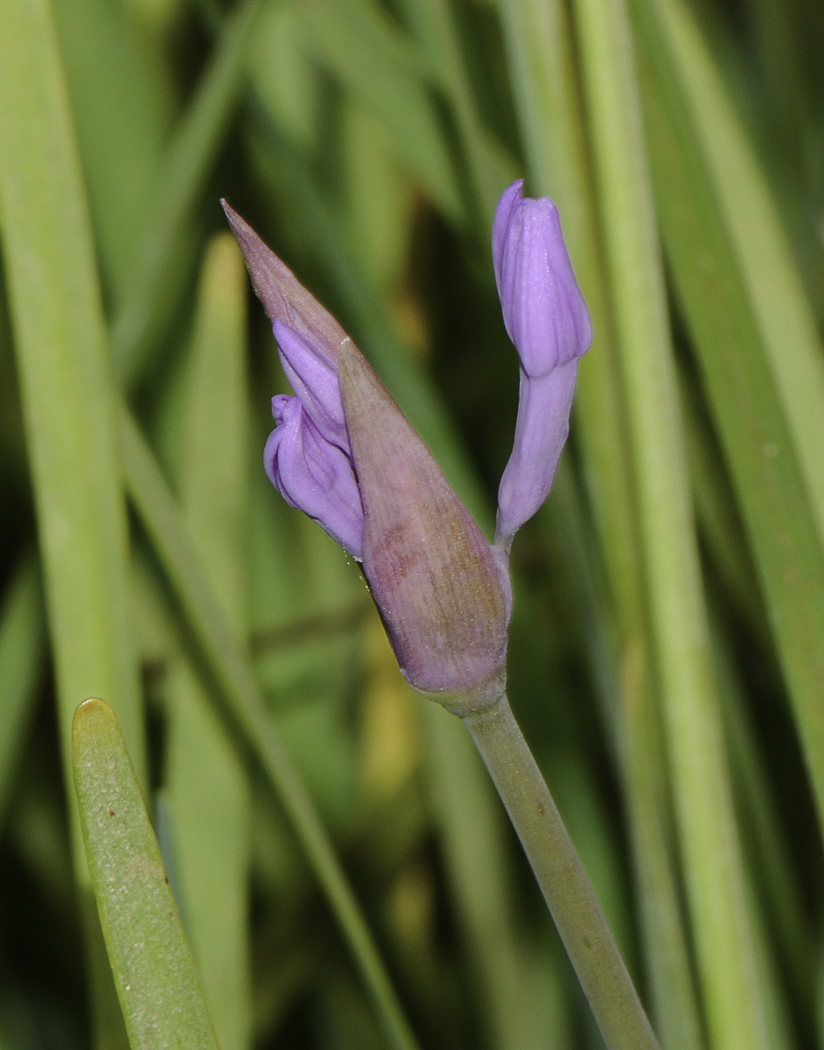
pixel 548 321
pixel 343 453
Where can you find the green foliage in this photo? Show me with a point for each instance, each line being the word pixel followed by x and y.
pixel 154 971
pixel 344 872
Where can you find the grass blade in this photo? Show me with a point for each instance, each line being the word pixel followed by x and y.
pixel 123 105
pixel 69 411
pixel 383 69
pixel 750 406
pixel 140 314
pixel 153 966
pixel 206 786
pixel 711 854
pixel 60 342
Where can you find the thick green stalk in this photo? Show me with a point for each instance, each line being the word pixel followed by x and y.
pixel 473 835
pixel 563 881
pixel 710 848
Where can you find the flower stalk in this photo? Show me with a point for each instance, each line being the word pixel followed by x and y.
pixel 343 452
pixel 564 884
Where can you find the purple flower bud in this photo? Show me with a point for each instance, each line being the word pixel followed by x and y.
pixel 544 312
pixel 343 452
pixel 548 321
pixel 316 383
pixel 313 475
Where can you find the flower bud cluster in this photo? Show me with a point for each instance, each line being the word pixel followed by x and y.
pixel 343 453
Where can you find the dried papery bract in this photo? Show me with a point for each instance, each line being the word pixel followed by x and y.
pixel 435 579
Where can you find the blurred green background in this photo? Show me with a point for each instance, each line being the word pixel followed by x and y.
pixel 667 643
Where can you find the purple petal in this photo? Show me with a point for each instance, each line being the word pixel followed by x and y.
pixel 314 475
pixel 315 382
pixel 540 432
pixel 544 312
pixel 510 199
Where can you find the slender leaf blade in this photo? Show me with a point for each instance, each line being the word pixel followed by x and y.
pixel 744 397
pixel 22 660
pixel 153 968
pixel 60 343
pixel 207 789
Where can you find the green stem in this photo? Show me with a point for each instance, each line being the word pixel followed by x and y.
pixel 563 881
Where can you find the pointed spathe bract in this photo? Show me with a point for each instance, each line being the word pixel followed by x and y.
pixel 343 452
pixel 436 581
pixel 283 296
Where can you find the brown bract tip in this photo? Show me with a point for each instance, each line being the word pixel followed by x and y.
pixel 283 296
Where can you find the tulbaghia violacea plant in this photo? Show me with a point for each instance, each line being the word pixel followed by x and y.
pixel 343 453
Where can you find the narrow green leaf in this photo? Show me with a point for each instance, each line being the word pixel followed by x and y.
pixel 446 52
pixel 122 100
pixel 246 711
pixel 60 342
pixel 206 788
pixel 383 69
pixel 751 406
pixel 153 967
pixel 215 426
pixel 710 849
pixel 774 874
pixel 786 322
pixel 69 412
pixel 717 513
pixel 22 661
pixel 191 155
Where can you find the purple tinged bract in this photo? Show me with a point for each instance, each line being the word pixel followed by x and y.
pixel 548 321
pixel 443 593
pixel 344 454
